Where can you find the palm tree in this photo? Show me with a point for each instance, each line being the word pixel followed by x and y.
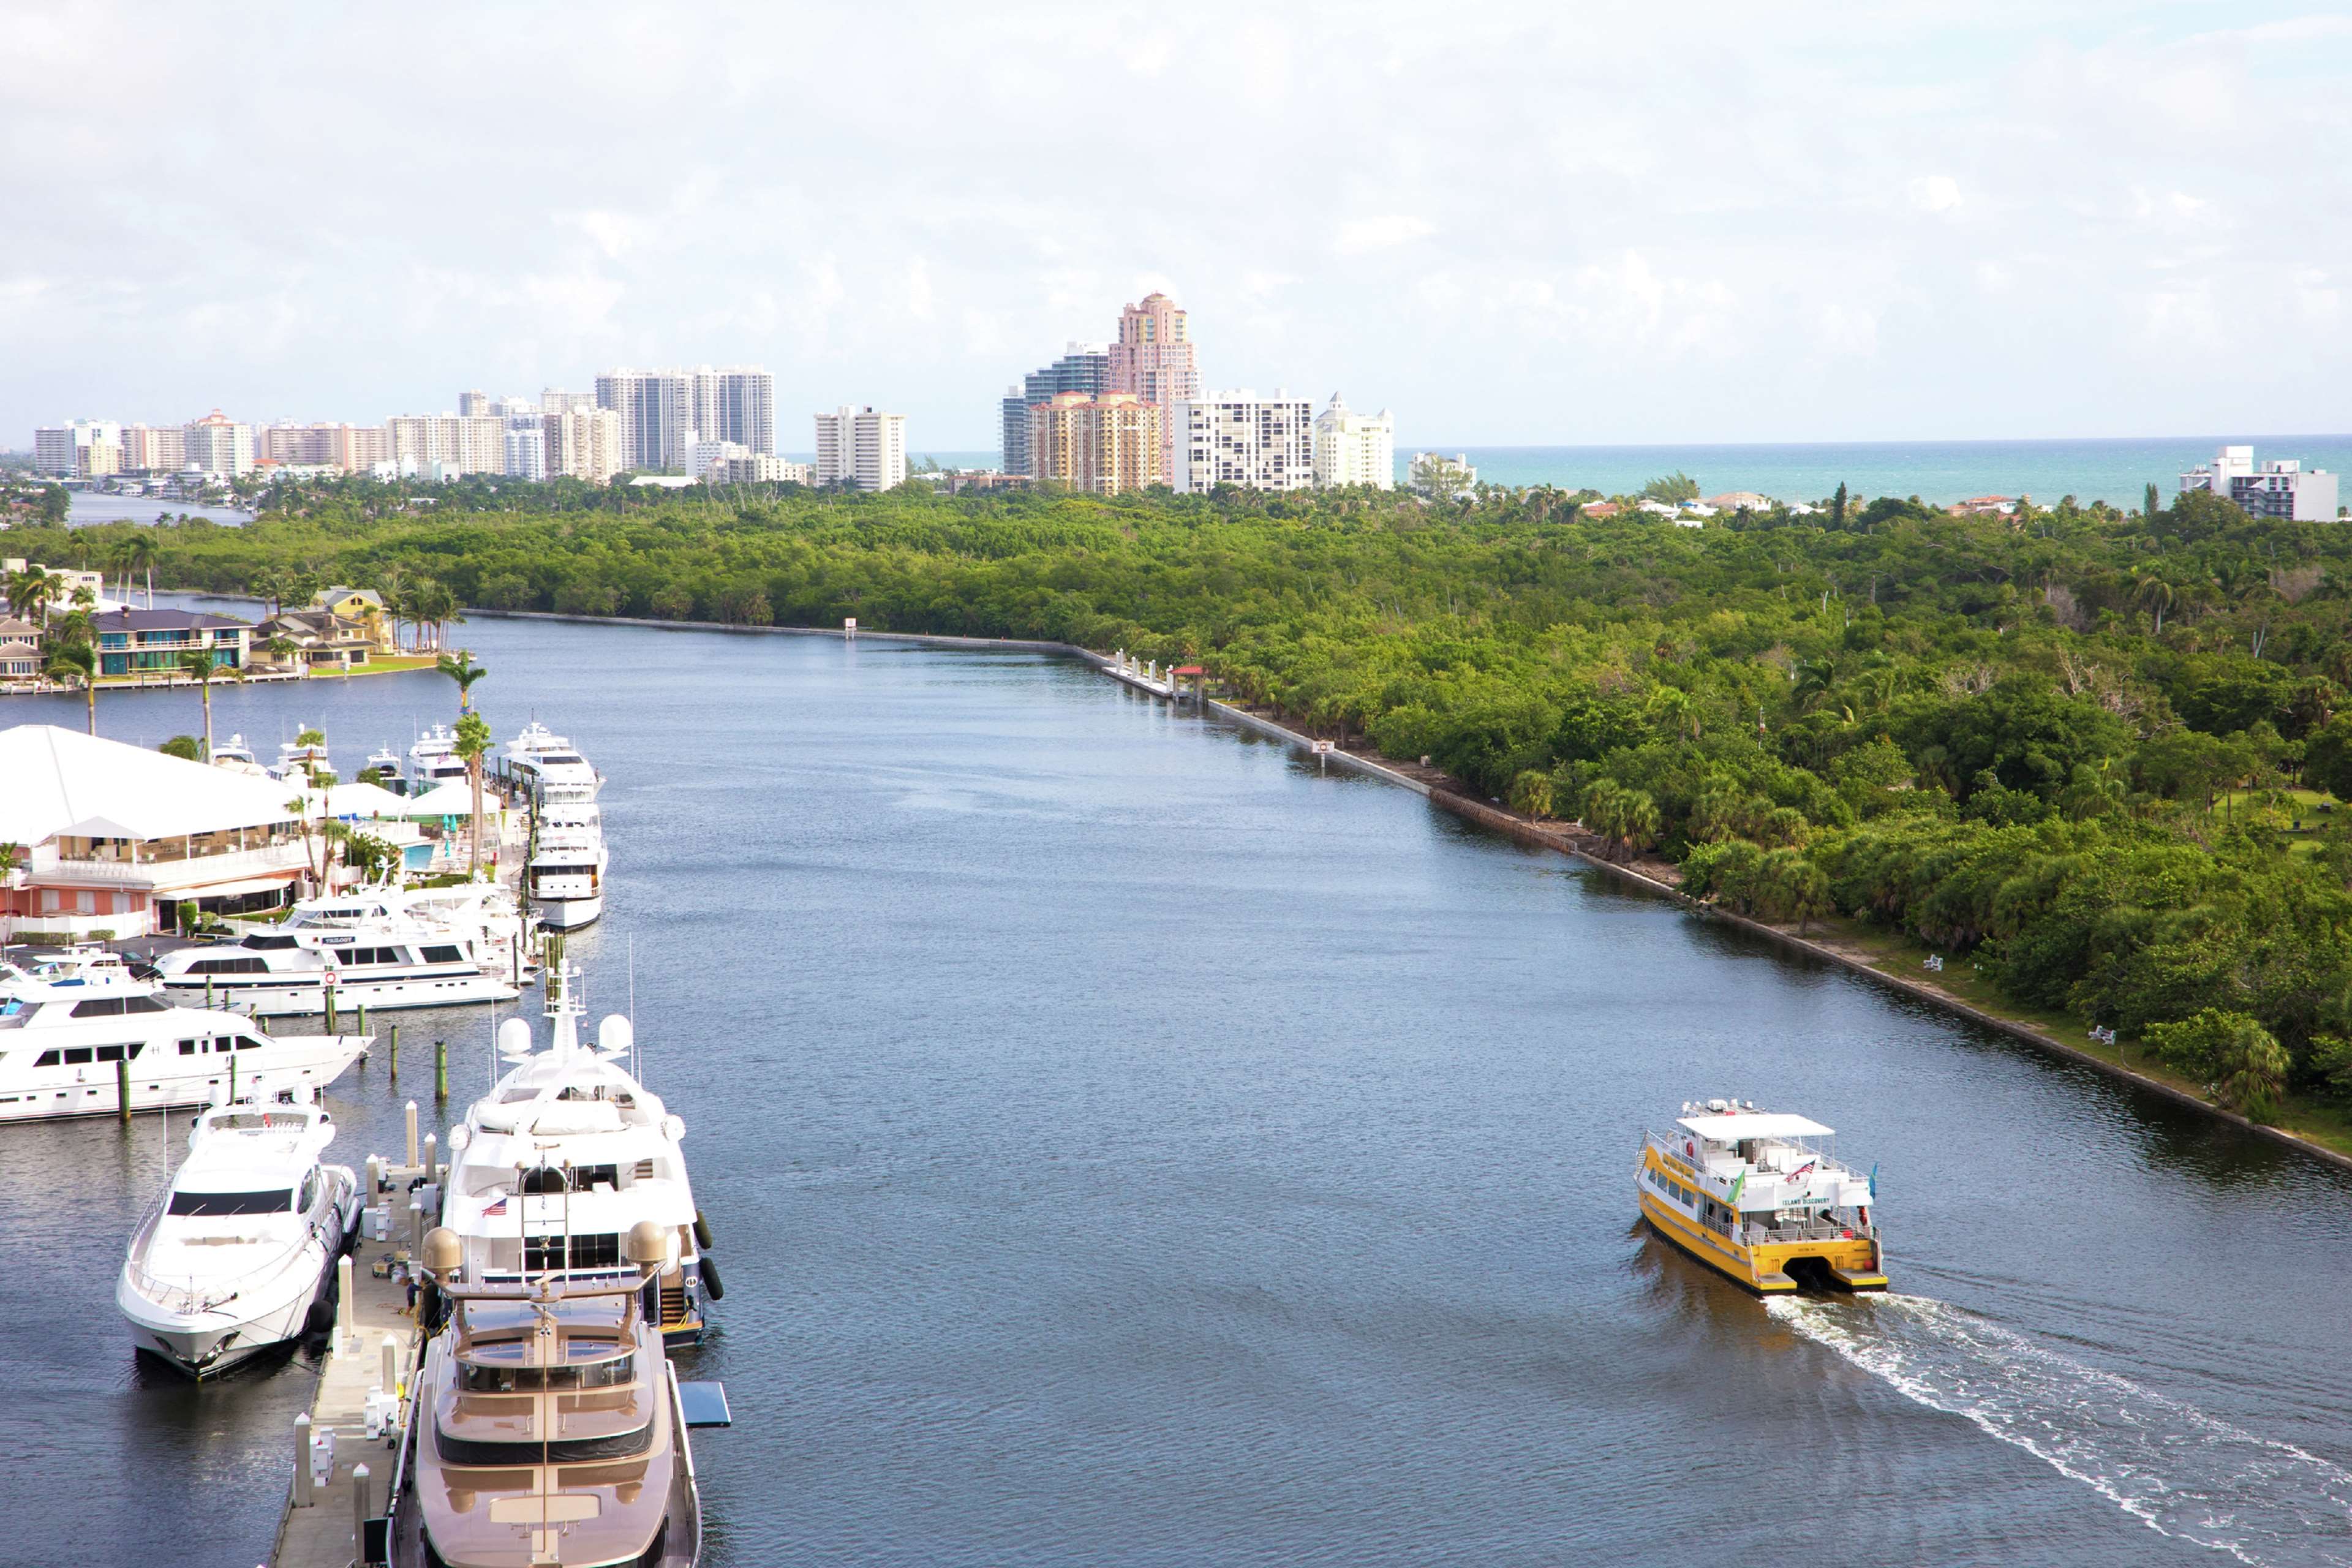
pixel 29 593
pixel 2154 592
pixel 204 664
pixel 136 551
pixel 461 668
pixel 473 740
pixel 279 647
pixel 71 661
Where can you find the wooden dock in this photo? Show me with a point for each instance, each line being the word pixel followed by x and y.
pixel 323 1532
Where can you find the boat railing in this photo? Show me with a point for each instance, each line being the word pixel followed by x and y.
pixel 187 1296
pixel 1752 1234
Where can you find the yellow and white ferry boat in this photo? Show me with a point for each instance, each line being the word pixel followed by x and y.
pixel 1759 1197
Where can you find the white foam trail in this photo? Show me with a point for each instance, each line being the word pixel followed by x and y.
pixel 2174 1468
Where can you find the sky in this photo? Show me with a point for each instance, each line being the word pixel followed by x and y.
pixel 1548 224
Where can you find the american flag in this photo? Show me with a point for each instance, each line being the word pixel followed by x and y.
pixel 1803 1171
pixel 499 1207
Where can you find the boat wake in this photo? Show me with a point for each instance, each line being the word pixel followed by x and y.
pixel 2177 1471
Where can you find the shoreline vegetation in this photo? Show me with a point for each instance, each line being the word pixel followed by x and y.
pixel 2092 761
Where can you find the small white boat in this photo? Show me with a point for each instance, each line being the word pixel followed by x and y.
pixel 65 1033
pixel 372 948
pixel 242 1248
pixel 565 876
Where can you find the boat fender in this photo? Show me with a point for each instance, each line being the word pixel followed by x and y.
pixel 711 1285
pixel 701 1231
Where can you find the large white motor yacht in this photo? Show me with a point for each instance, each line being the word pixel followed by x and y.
pixel 432 762
pixel 242 1248
pixel 565 876
pixel 547 768
pixel 373 947
pixel 296 759
pixel 237 757
pixel 62 1038
pixel 549 1169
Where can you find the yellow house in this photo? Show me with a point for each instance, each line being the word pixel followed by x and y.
pixel 364 607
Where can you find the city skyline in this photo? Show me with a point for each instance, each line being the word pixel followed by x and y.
pixel 1799 228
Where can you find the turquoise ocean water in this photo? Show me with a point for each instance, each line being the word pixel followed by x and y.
pixel 1937 471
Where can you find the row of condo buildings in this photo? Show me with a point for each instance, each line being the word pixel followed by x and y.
pixel 1122 415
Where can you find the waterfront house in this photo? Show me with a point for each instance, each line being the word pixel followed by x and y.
pixel 1599 509
pixel 150 642
pixel 321 639
pixel 20 651
pixel 362 607
pixel 1732 500
pixel 112 839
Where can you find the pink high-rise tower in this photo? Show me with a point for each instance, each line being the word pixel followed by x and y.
pixel 1153 358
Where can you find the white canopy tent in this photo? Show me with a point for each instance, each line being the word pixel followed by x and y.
pixel 63 782
pixel 449 800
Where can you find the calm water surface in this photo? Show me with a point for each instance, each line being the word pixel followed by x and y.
pixel 1125 1146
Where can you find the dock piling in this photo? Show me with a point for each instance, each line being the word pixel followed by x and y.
pixel 331 1005
pixel 390 1348
pixel 440 1069
pixel 122 1091
pixel 302 1494
pixel 362 1029
pixel 432 1170
pixel 360 1514
pixel 208 992
pixel 395 1053
pixel 344 1306
pixel 232 1079
pixel 412 1134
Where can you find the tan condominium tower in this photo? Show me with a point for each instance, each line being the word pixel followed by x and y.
pixel 862 446
pixel 1152 359
pixel 1101 444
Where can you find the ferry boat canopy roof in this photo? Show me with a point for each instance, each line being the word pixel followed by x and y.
pixel 1731 1128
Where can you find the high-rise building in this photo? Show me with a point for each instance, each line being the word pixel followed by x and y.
pixel 82 450
pixel 1353 448
pixel 448 445
pixel 1085 367
pixel 583 444
pixel 1099 443
pixel 734 403
pixel 219 445
pixel 866 448
pixel 1240 438
pixel 525 448
pixel 155 449
pixel 552 400
pixel 656 410
pixel 473 404
pixel 1153 359
pixel 2282 487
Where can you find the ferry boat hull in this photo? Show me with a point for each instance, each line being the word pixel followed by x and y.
pixel 1763 1271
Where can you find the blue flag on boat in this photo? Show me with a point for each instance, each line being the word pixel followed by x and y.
pixel 1873 1184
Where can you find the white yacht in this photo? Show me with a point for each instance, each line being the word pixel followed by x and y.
pixel 433 760
pixel 565 876
pixel 374 947
pixel 293 757
pixel 240 1253
pixel 570 1145
pixel 548 768
pixel 387 764
pixel 237 757
pixel 60 1041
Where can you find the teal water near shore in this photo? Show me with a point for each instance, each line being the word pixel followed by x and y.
pixel 1126 1146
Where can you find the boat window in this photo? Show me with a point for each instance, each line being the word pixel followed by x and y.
pixel 272 1200
pixel 228 967
pixel 190 1047
pixel 473 1378
pixel 141 1004
pixel 248 1043
pixel 310 1192
pixel 77 1055
pixel 269 944
pixel 98 1008
pixel 441 955
pixel 542 1252
pixel 46 1059
pixel 122 1053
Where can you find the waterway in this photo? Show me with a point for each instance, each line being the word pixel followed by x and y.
pixel 1126 1146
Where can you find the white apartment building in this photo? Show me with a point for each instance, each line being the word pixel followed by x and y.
pixel 2281 489
pixel 866 448
pixel 86 448
pixel 581 443
pixel 474 404
pixel 1353 448
pixel 555 400
pixel 1434 473
pixel 755 468
pixel 665 411
pixel 218 444
pixel 1240 439
pixel 525 448
pixel 447 445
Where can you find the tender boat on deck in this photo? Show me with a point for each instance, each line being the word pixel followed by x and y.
pixel 546 1427
pixel 1759 1197
pixel 243 1246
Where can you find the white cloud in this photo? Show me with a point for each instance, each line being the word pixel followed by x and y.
pixel 1357 235
pixel 1935 194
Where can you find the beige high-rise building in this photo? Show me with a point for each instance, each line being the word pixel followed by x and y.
pixel 1101 444
pixel 354 449
pixel 155 449
pixel 457 443
pixel 1353 448
pixel 583 444
pixel 219 445
pixel 1153 359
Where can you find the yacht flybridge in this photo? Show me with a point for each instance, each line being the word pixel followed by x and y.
pixel 433 760
pixel 548 768
pixel 547 1427
pixel 1758 1196
pixel 71 1042
pixel 378 947
pixel 552 1168
pixel 240 1252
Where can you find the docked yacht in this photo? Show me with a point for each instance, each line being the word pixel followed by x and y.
pixel 294 757
pixel 551 1169
pixel 546 1425
pixel 61 1041
pixel 387 764
pixel 1759 1197
pixel 372 948
pixel 547 768
pixel 433 760
pixel 237 757
pixel 565 874
pixel 240 1253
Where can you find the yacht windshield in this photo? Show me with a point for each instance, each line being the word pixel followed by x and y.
pixel 273 1200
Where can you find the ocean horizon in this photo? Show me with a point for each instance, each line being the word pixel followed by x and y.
pixel 2115 470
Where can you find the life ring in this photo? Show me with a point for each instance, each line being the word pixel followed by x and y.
pixel 1690 1150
